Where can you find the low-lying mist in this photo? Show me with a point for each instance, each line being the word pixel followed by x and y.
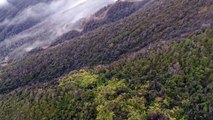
pixel 54 19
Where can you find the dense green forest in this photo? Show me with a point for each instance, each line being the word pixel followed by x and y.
pixel 162 20
pixel 167 80
pixel 132 60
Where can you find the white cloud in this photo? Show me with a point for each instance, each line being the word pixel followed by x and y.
pixel 3 2
pixel 58 17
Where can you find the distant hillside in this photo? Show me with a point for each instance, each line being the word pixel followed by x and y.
pixel 160 20
pixel 114 13
pixel 106 15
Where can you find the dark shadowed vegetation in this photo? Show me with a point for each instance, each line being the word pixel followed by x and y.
pixel 167 80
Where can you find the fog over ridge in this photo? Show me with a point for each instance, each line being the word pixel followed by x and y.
pixel 56 18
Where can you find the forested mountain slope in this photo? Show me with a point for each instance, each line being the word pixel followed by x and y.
pixel 164 81
pixel 144 60
pixel 106 15
pixel 160 20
